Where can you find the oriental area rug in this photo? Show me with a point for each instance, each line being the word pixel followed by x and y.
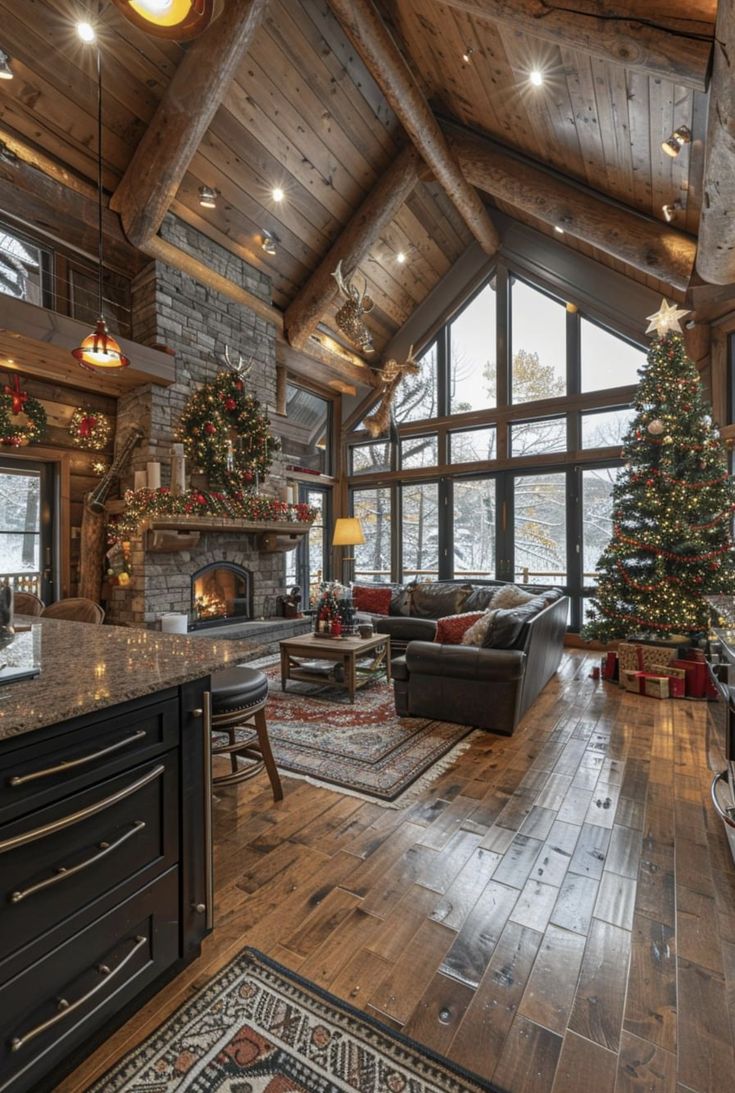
pixel 363 749
pixel 259 1028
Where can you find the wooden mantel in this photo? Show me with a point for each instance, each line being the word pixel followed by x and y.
pixel 167 534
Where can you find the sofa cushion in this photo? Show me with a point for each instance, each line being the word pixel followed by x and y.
pixel 399 668
pixel 480 597
pixel 509 595
pixel 451 629
pixel 406 629
pixel 508 623
pixel 374 600
pixel 478 631
pixel 437 599
pixel 400 603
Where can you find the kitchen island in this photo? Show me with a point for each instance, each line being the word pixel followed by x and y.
pixel 105 835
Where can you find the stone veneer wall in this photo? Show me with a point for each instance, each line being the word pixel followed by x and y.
pixel 197 324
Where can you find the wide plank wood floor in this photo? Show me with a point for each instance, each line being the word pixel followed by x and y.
pixel 556 913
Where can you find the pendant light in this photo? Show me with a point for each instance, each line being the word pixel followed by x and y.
pixel 177 19
pixel 99 350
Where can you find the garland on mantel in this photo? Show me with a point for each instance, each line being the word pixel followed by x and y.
pixel 142 504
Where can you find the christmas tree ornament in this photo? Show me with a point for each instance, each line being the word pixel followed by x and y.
pixel 15 406
pixel 666 319
pixel 90 429
pixel 656 427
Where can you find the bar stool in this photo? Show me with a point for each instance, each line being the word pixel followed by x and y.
pixel 239 696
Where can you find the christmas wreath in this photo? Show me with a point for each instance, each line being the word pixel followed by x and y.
pixel 226 433
pixel 90 429
pixel 14 402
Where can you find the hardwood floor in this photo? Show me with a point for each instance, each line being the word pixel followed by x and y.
pixel 557 912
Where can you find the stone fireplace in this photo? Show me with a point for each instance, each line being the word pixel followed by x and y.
pixel 221 592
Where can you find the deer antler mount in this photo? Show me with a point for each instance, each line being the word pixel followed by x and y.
pixel 350 317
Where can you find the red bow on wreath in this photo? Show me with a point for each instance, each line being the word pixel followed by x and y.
pixel 18 397
pixel 87 425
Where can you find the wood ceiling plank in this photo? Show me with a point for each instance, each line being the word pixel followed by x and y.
pixel 696 162
pixel 615 143
pixel 503 89
pixel 618 94
pixel 583 101
pixel 661 110
pixel 639 121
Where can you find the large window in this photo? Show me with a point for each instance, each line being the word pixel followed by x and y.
pixel 373 557
pixel 24 268
pixel 420 530
pixel 607 360
pixel 472 352
pixel 307 430
pixel 492 470
pixel 539 347
pixel 474 528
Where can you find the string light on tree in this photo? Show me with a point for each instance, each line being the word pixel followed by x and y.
pixel 672 504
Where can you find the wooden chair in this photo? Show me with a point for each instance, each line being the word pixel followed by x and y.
pixel 75 609
pixel 27 603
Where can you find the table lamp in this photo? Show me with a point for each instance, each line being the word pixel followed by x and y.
pixel 347 532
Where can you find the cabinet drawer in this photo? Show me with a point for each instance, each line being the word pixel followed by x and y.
pixel 61 860
pixel 70 758
pixel 55 1005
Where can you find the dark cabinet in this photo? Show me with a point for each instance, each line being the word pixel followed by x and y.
pixel 105 873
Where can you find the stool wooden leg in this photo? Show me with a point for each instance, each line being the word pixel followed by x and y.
pixel 265 751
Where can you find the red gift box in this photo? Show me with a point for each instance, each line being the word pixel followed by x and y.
pixel 610 666
pixel 696 678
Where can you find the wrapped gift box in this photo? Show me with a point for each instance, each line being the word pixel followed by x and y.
pixel 676 678
pixel 643 658
pixel 696 677
pixel 609 666
pixel 655 686
pixel 631 680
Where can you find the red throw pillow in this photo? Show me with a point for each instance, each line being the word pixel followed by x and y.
pixel 376 601
pixel 450 629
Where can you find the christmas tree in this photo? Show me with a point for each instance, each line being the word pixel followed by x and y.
pixel 672 505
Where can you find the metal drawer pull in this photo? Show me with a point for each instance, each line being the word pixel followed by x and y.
pixel 65 1007
pixel 76 817
pixel 208 826
pixel 63 872
pixel 725 814
pixel 69 764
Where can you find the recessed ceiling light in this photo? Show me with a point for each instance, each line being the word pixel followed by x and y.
pixel 86 32
pixel 6 72
pixel 676 141
pixel 277 194
pixel 558 229
pixel 401 257
pixel 207 197
pixel 467 55
pixel 536 77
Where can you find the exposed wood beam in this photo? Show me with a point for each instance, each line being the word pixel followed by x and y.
pixel 183 116
pixel 622 233
pixel 376 213
pixel 626 32
pixel 716 253
pixel 387 65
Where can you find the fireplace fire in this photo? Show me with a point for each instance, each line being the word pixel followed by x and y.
pixel 220 593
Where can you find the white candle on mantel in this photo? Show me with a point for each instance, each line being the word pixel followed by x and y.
pixel 153 474
pixel 140 480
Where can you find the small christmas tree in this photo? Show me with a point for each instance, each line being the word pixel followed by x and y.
pixel 672 505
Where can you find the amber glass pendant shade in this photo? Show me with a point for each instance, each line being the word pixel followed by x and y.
pixel 100 350
pixel 177 19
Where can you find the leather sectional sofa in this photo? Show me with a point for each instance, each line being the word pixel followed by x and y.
pixel 491 686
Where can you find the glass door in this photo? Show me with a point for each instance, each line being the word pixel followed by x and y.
pixel 26 527
pixel 308 565
pixel 538 529
pixel 474 528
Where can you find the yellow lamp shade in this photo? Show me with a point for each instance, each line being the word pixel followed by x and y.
pixel 177 19
pixel 347 532
pixel 100 350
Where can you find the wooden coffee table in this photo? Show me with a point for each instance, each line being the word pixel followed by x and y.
pixel 344 651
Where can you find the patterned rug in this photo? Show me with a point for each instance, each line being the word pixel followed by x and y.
pixel 258 1028
pixel 364 749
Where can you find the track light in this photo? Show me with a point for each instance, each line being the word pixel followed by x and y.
pixel 6 72
pixel 268 244
pixel 536 77
pixel 467 55
pixel 207 197
pixel 401 258
pixel 676 141
pixel 670 211
pixel 277 194
pixel 86 32
pixel 558 229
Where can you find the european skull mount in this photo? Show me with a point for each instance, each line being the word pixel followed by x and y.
pixel 349 318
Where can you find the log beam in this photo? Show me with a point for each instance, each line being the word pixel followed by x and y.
pixel 387 65
pixel 183 116
pixel 376 213
pixel 627 32
pixel 716 254
pixel 622 233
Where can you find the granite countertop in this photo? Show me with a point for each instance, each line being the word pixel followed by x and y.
pixel 86 668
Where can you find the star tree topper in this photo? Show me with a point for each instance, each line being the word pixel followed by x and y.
pixel 665 319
